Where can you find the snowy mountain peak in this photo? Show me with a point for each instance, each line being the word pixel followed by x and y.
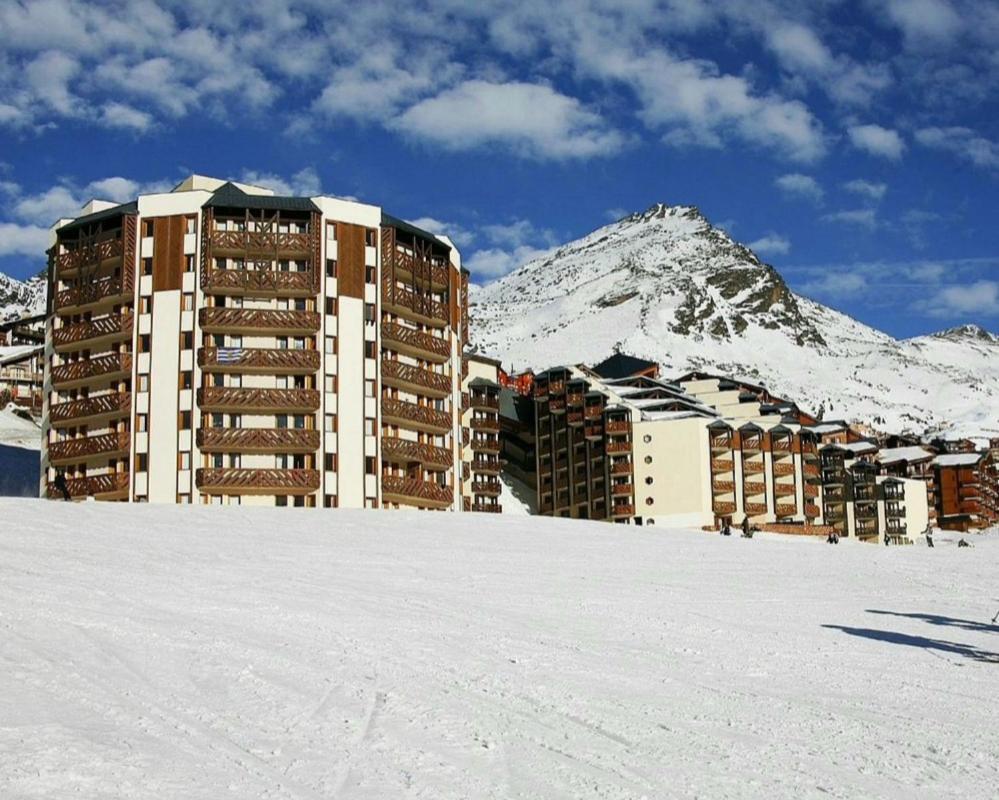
pixel 21 298
pixel 975 333
pixel 667 285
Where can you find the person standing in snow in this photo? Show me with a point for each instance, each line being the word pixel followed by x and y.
pixel 745 526
pixel 60 484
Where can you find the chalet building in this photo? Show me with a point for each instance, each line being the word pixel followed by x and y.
pixel 644 451
pixel 21 368
pixel 23 331
pixel 520 382
pixel 221 344
pixel 966 487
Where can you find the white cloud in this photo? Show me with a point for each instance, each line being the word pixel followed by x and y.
pixel 771 244
pixel 66 199
pixel 871 190
pixel 304 183
pixel 615 214
pixel 119 115
pixel 978 298
pixel 796 184
pixel 797 47
pixel 495 262
pixel 456 233
pixel 23 240
pixel 861 218
pixel 838 283
pixel 924 22
pixel 962 142
pixel 877 141
pixel 532 120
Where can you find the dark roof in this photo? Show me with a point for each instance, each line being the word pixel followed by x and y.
pixel 513 406
pixel 620 365
pixel 483 359
pixel 394 222
pixel 483 382
pixel 229 195
pixel 100 216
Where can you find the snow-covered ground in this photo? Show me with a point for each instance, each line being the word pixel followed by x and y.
pixel 20 442
pixel 166 652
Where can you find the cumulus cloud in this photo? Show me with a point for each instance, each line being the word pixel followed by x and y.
pixel 23 240
pixel 962 301
pixel 870 190
pixel 837 283
pixel 860 217
pixel 494 262
pixel 304 183
pixel 795 184
pixel 461 236
pixel 771 244
pixel 963 143
pixel 66 198
pixel 877 141
pixel 119 115
pixel 532 120
pixel 924 22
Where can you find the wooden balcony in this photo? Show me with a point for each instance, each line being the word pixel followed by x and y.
pixel 784 490
pixel 783 468
pixel 619 447
pixel 621 468
pixel 262 282
pixel 89 410
pixel 257 440
pixel 594 413
pixel 414 492
pixel 486 466
pixel 256 481
pixel 754 509
pixel 92 255
pixel 786 509
pixel 422 271
pixel 267 244
pixel 490 488
pixel 810 490
pixel 79 373
pixel 723 487
pixel 721 443
pixel 483 444
pixel 485 424
pixel 556 405
pixel 574 418
pixel 89 448
pixel 403 451
pixel 622 510
pixel 721 465
pixel 752 467
pixel 414 379
pixel 486 508
pixel 810 470
pixel 239 400
pixel 754 487
pixel 619 489
pixel 721 507
pixel 617 426
pixel 811 510
pixel 266 361
pixel 111 486
pixel 593 432
pixel 417 344
pixel 414 306
pixel 416 417
pixel 484 401
pixel 264 322
pixel 97 294
pixel 96 334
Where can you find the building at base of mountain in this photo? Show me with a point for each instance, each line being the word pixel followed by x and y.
pixel 968 489
pixel 21 369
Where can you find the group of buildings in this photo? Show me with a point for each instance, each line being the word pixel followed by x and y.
pixel 220 344
pixel 618 442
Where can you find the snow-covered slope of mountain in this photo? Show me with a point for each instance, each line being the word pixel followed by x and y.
pixel 21 298
pixel 667 285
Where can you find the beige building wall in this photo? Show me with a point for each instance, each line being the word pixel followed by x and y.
pixel 671 468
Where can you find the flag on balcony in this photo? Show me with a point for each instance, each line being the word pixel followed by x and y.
pixel 230 355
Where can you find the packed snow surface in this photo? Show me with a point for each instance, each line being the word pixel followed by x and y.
pixel 168 652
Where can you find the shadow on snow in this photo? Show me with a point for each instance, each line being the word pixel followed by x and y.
pixel 892 637
pixel 934 619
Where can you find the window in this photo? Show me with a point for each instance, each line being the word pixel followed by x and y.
pixel 187 301
pixel 330 423
pixel 218 420
pixel 190 224
pixel 281 500
pixel 145 305
pixel 648 459
pixel 330 462
pixel 370 350
pixel 331 231
pixel 369 388
pixel 147 227
pixel 330 345
pixel 184 499
pixel 370 237
pixel 331 306
pixel 369 426
pixel 369 275
pixel 331 383
pixel 330 267
pixel 281 421
pixel 330 501
pixel 147 266
pixel 141 423
pixel 141 462
pixel 186 340
pixel 369 312
pixel 145 343
pixel 369 465
pixel 299 421
pixel 186 380
pixel 143 381
pixel 184 420
pixel 183 461
pixel 647 438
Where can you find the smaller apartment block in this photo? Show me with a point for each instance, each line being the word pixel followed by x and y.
pixel 647 451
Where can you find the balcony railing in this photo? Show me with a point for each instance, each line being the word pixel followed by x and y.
pixel 810 490
pixel 619 447
pixel 106 289
pixel 754 487
pixel 414 492
pixel 483 400
pixel 413 305
pixel 786 510
pixel 271 361
pixel 486 508
pixel 75 411
pixel 80 372
pixel 415 343
pixel 221 480
pixel 622 510
pixel 783 469
pixel 752 467
pixel 756 508
pixel 490 488
pixel 261 243
pixel 270 322
pixel 723 507
pixel 257 440
pixel 70 451
pixel 111 486
pixel 723 487
pixel 621 468
pixel 811 510
pixel 784 489
pixel 617 426
pixel 229 398
pixel 483 444
pixel 485 424
pixel 91 254
pixel 416 417
pixel 810 470
pixel 411 378
pixel 721 465
pixel 422 270
pixel 404 451
pixel 622 489
pixel 86 334
pixel 486 465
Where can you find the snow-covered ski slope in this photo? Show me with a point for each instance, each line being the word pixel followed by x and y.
pixel 178 652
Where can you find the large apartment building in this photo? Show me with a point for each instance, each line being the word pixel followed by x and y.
pixel 221 344
pixel 644 451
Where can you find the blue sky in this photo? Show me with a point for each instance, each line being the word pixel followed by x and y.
pixel 854 145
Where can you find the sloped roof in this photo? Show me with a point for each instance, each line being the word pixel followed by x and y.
pixel 621 365
pixel 100 216
pixel 958 459
pixel 394 222
pixel 229 195
pixel 896 455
